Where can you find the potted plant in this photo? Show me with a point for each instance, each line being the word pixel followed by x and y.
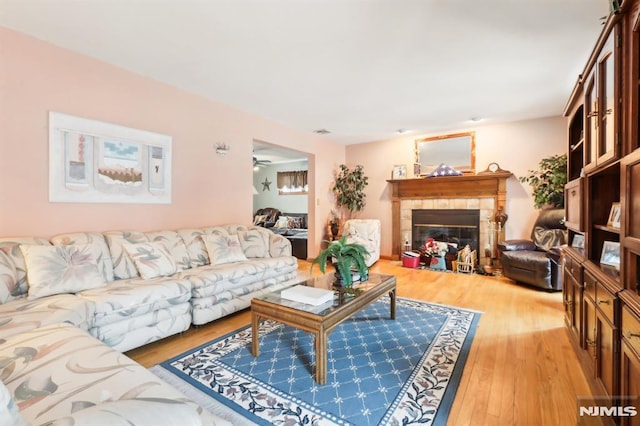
pixel 349 188
pixel 548 181
pixel 346 258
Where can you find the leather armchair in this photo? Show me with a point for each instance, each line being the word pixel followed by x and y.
pixel 537 261
pixel 271 219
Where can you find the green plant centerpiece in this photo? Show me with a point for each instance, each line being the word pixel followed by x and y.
pixel 349 188
pixel 548 181
pixel 346 258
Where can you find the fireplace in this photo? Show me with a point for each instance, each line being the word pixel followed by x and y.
pixel 485 192
pixel 456 226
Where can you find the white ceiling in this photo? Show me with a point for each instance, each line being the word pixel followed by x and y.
pixel 360 68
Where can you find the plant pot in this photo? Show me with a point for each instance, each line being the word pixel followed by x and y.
pixel 355 277
pixel 335 228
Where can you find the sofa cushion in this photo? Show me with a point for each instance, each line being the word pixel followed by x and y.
pixel 23 315
pixel 61 269
pixel 61 371
pixel 124 299
pixel 78 238
pixel 123 266
pixel 224 249
pixel 212 280
pixel 151 259
pixel 195 246
pixel 13 274
pixel 174 242
pixel 254 243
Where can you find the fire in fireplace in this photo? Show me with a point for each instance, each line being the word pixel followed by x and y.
pixel 459 227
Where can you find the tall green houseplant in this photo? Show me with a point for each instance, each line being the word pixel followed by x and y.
pixel 548 181
pixel 349 188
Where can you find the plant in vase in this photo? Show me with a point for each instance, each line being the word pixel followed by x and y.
pixel 436 251
pixel 346 258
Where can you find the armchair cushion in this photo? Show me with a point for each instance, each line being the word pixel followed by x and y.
pixel 514 245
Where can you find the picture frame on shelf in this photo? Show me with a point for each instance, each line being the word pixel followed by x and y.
pixel 578 241
pixel 610 254
pixel 399 171
pixel 614 216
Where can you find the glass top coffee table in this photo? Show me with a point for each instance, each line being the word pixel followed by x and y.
pixel 320 320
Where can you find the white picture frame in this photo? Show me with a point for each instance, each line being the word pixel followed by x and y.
pixel 96 162
pixel 399 171
pixel 610 254
pixel 614 216
pixel 578 241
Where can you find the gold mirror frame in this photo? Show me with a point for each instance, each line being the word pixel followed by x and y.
pixel 457 150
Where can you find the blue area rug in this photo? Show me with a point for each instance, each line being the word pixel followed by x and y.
pixel 379 371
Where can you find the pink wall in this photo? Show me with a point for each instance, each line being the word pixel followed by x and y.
pixel 517 147
pixel 208 189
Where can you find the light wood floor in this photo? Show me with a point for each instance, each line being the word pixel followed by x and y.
pixel 521 370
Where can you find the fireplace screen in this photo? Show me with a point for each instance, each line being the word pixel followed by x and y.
pixel 458 227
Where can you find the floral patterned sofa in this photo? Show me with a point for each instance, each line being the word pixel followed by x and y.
pixel 128 288
pixel 59 375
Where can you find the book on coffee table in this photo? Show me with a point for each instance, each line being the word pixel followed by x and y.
pixel 309 295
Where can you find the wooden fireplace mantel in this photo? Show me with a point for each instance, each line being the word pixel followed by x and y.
pixel 485 185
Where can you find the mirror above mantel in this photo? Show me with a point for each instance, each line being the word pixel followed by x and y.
pixel 456 150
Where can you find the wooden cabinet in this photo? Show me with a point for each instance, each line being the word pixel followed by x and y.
pixel 604 168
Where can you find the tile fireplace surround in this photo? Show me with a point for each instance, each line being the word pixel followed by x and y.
pixel 484 192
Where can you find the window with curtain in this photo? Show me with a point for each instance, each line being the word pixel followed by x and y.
pixel 294 182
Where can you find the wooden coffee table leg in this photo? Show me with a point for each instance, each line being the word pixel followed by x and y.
pixel 321 356
pixel 255 325
pixel 392 296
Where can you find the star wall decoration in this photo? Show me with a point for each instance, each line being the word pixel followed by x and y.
pixel 266 185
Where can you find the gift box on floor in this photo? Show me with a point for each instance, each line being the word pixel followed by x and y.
pixel 411 260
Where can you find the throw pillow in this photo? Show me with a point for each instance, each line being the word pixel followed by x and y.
pixel 259 218
pixel 253 243
pixel 282 223
pixel 61 269
pixel 224 249
pixel 8 409
pixel 294 222
pixel 151 259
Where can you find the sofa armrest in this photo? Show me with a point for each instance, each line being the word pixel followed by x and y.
pixel 555 253
pixel 279 246
pixel 514 245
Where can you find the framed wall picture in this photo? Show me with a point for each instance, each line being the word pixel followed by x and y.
pixel 610 254
pixel 97 162
pixel 399 172
pixel 614 216
pixel 578 241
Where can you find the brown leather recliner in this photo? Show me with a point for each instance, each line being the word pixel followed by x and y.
pixel 537 261
pixel 272 216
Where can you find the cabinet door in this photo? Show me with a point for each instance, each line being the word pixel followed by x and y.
pixel 592 122
pixel 590 337
pixel 607 141
pixel 630 381
pixel 630 362
pixel 605 361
